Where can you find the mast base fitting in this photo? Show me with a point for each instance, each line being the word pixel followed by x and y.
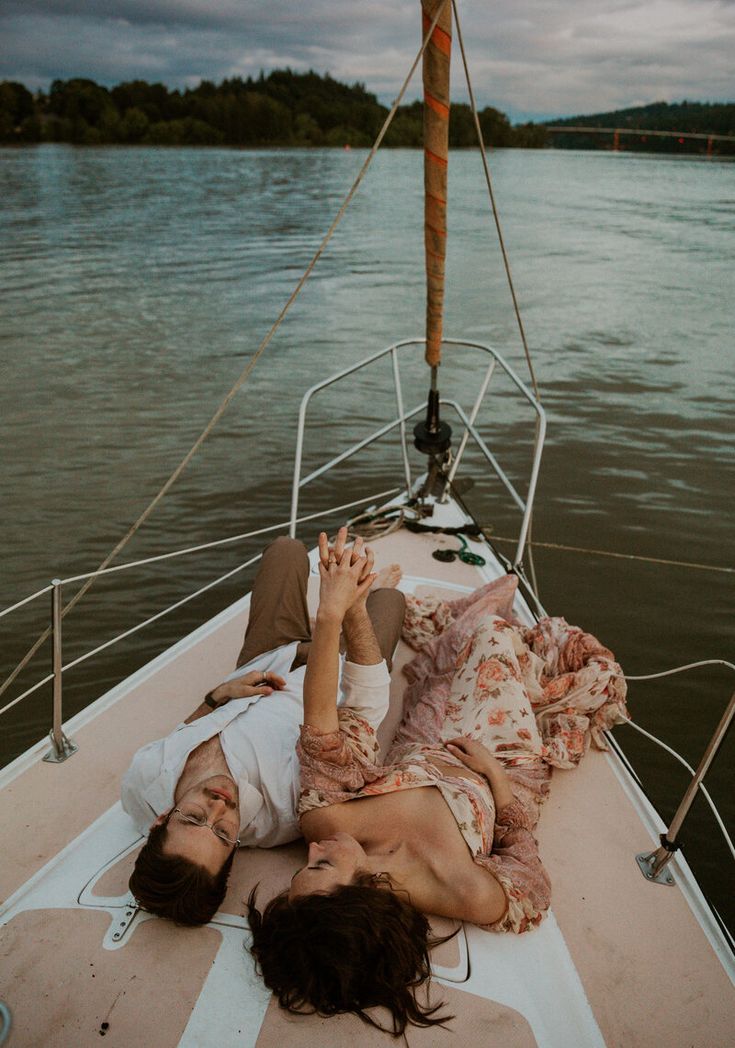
pixel 430 442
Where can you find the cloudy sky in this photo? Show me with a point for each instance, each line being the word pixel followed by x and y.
pixel 530 58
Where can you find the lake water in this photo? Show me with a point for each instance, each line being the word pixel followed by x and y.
pixel 138 282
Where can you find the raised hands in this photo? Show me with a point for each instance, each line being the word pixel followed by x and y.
pixel 346 576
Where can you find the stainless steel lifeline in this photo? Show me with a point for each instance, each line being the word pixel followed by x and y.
pixel 62 747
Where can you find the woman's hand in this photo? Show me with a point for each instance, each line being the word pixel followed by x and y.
pixel 337 551
pixel 346 576
pixel 253 683
pixel 473 754
pixel 480 759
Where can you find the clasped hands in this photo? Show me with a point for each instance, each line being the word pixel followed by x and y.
pixel 346 577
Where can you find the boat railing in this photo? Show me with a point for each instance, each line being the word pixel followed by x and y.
pixel 61 746
pixel 524 503
pixel 654 864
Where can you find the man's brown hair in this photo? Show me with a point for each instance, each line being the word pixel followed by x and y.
pixel 171 886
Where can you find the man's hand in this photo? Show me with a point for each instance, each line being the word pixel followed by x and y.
pixel 253 683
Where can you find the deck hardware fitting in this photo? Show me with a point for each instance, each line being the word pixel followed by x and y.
pixel 126 922
pixel 61 748
pixel 647 864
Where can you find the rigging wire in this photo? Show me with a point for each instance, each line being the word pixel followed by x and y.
pixel 381 528
pixel 491 193
pixel 504 254
pixel 245 374
pixel 620 556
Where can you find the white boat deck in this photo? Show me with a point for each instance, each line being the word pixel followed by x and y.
pixel 618 961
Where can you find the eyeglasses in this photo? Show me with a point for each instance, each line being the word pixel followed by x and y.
pixel 198 817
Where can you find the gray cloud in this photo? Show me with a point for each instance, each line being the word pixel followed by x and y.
pixel 530 58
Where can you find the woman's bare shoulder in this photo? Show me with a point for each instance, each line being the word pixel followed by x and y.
pixel 483 900
pixel 445 878
pixel 473 895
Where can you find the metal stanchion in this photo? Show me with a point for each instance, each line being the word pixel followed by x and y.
pixel 61 747
pixel 653 864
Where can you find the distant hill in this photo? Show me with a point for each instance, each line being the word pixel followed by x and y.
pixel 716 118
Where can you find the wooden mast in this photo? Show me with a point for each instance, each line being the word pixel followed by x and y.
pixel 436 149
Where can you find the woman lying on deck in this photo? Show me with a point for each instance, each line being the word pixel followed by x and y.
pixel 350 933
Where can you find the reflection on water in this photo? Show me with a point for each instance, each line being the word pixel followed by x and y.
pixel 137 283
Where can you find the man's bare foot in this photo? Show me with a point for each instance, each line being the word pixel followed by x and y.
pixel 388 578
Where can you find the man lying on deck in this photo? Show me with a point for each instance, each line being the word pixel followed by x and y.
pixel 228 776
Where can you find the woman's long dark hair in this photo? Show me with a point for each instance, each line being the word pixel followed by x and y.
pixel 359 947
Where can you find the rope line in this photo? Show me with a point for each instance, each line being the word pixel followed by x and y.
pixel 245 374
pixel 681 669
pixel 34 687
pixel 25 660
pixel 619 556
pixel 232 538
pixel 159 615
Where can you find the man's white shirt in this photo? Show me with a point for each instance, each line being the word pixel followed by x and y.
pixel 258 736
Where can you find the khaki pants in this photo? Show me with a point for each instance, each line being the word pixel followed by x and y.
pixel 279 613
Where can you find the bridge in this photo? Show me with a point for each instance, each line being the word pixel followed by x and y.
pixel 642 134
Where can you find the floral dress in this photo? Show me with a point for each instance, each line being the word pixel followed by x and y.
pixel 481 677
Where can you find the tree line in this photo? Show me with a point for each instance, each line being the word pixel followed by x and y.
pixel 281 109
pixel 305 109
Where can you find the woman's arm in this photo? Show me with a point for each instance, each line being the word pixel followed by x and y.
pixel 514 862
pixel 479 759
pixel 343 581
pixel 322 674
